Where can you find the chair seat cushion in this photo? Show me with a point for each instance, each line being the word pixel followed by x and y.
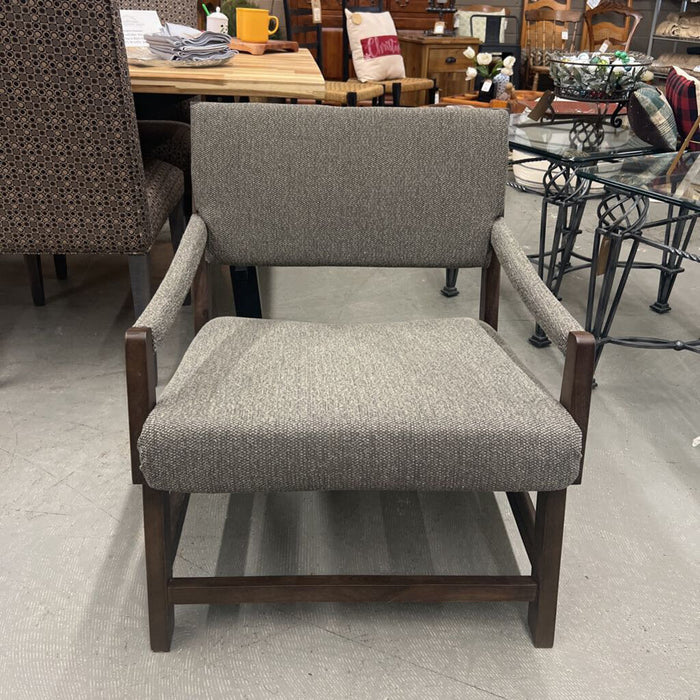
pixel 259 405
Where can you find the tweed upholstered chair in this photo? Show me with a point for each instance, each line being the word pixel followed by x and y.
pixel 272 405
pixel 72 178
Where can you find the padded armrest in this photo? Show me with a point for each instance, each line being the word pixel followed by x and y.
pixel 556 321
pixel 162 309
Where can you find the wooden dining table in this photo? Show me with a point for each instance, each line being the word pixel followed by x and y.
pixel 288 75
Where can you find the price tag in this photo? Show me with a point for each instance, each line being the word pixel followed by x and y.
pixel 487 85
pixel 604 46
pixel 564 34
pixel 316 11
pixel 439 28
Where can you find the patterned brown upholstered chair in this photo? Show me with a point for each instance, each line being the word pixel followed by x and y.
pixel 273 405
pixel 72 178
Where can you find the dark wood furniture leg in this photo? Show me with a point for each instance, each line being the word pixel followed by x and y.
pixel 246 295
pixel 140 275
pixel 159 567
pixel 450 288
pixel 61 266
pixel 396 94
pixel 36 279
pixel 549 532
pixel 490 292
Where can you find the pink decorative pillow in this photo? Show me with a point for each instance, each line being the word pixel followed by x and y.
pixel 376 54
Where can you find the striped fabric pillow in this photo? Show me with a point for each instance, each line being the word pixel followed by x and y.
pixel 651 118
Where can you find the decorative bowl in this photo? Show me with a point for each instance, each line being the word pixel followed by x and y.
pixel 597 77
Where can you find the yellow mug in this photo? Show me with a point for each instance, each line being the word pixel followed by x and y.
pixel 254 25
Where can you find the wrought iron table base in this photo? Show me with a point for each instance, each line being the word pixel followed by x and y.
pixel 622 218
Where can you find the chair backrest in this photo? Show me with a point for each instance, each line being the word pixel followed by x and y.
pixel 599 26
pixel 300 28
pixel 310 185
pixel 176 11
pixel 550 30
pixel 71 175
pixel 359 6
pixel 540 5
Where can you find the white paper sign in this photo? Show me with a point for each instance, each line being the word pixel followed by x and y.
pixel 564 34
pixel 487 85
pixel 136 23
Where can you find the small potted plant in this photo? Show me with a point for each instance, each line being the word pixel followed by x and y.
pixel 492 75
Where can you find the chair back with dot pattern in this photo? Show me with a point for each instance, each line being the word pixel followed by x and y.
pixel 71 174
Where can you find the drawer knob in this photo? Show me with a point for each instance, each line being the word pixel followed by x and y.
pixel 450 59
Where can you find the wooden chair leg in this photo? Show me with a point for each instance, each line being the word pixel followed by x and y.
pixel 535 80
pixel 140 274
pixel 396 94
pixel 156 524
pixel 61 267
pixel 431 95
pixel 549 530
pixel 352 99
pixel 450 288
pixel 36 279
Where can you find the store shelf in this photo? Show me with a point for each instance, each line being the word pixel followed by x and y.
pixel 663 37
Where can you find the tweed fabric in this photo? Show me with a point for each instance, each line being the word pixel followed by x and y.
pixel 556 321
pixel 651 118
pixel 259 405
pixel 71 176
pixel 337 90
pixel 321 186
pixel 167 301
pixel 683 96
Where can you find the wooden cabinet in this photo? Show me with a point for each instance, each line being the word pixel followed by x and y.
pixel 440 58
pixel 407 14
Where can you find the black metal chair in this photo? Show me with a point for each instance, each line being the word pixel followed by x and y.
pixel 492 41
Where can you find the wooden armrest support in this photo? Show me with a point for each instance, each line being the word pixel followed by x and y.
pixel 577 382
pixel 140 388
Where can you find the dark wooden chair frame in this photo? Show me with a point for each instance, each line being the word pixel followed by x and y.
pixel 541 528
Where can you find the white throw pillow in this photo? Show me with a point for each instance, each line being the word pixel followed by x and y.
pixel 376 54
pixel 479 24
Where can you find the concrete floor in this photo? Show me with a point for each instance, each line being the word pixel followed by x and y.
pixel 72 584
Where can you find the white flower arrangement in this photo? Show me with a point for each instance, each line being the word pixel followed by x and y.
pixel 486 67
pixel 597 75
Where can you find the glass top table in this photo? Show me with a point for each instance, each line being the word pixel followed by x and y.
pixel 569 144
pixel 648 176
pixel 623 219
pixel 577 141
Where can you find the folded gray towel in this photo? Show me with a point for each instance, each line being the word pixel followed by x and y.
pixel 178 43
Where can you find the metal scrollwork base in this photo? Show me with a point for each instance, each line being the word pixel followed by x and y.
pixel 622 219
pixel 568 192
